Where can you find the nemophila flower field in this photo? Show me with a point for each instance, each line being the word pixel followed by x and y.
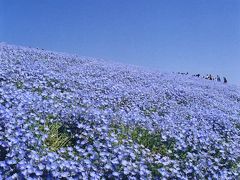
pixel 62 116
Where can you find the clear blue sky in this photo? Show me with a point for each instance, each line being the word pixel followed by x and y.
pixel 198 36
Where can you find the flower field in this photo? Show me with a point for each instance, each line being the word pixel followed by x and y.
pixel 69 117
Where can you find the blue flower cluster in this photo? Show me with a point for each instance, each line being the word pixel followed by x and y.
pixel 64 116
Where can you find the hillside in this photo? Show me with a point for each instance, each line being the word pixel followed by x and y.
pixel 64 116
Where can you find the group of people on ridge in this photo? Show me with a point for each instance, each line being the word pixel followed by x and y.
pixel 212 78
pixel 209 77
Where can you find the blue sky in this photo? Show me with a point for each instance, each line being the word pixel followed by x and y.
pixel 196 36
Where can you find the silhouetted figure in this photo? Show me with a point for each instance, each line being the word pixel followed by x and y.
pixel 207 77
pixel 196 75
pixel 210 77
pixel 224 79
pixel 218 78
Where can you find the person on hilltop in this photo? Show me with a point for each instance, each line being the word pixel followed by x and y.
pixel 207 77
pixel 224 79
pixel 210 77
pixel 218 78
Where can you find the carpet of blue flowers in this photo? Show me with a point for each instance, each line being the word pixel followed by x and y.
pixel 62 116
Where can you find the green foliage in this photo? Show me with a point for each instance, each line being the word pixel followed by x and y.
pixel 182 102
pixel 188 117
pixel 183 153
pixel 153 167
pixel 149 111
pixel 19 84
pixel 57 134
pixel 124 102
pixel 57 138
pixel 160 110
pixel 52 82
pixel 39 90
pixel 234 165
pixel 103 107
pixel 238 126
pixel 57 85
pixel 168 96
pixel 151 140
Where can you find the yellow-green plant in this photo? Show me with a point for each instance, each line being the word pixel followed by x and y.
pixel 57 136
